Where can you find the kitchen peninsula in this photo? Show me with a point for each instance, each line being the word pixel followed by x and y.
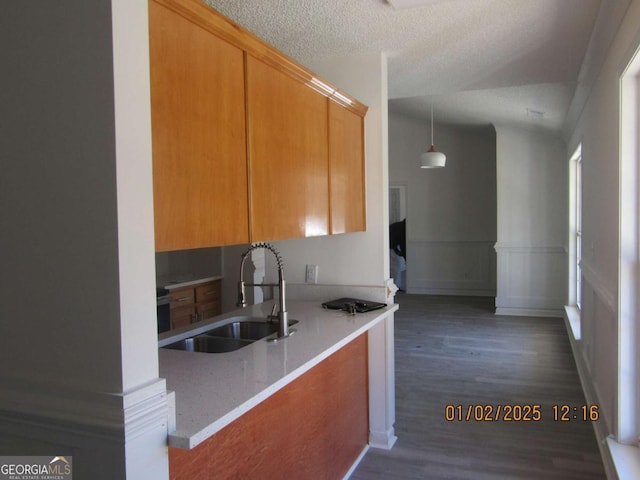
pixel 232 117
pixel 317 384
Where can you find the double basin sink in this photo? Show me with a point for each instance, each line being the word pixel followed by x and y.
pixel 229 337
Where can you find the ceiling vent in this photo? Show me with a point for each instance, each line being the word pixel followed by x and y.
pixel 537 114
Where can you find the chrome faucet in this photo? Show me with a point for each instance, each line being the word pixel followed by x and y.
pixel 283 325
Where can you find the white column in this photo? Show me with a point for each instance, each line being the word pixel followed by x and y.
pixel 382 400
pixel 78 350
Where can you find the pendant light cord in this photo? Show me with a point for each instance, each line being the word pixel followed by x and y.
pixel 432 124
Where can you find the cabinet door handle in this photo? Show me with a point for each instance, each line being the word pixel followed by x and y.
pixel 210 292
pixel 182 299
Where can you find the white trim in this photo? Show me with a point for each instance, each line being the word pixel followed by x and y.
pixel 70 409
pixel 383 440
pixel 529 312
pixel 451 291
pixel 600 286
pixel 382 395
pixel 575 227
pixel 528 248
pixel 592 398
pixel 628 399
pixel 572 316
pixel 40 411
pixel 356 463
pixel 625 458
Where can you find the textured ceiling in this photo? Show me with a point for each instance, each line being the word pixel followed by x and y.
pixel 478 61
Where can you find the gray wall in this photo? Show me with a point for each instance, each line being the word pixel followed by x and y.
pixel 78 350
pixel 350 264
pixel 451 212
pixel 605 326
pixel 532 222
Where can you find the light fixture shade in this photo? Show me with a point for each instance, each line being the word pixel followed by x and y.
pixel 432 158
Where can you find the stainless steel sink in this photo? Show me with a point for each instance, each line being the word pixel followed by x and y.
pixel 229 337
pixel 206 344
pixel 246 330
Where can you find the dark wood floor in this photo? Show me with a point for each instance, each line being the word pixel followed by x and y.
pixel 454 350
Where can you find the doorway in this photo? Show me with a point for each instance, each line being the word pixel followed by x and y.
pixel 398 234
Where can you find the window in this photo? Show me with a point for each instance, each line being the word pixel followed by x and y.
pixel 575 229
pixel 578 229
pixel 628 421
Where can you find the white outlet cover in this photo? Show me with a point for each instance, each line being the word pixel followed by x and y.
pixel 311 274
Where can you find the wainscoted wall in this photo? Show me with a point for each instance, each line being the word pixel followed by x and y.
pixel 594 349
pixel 531 280
pixel 532 222
pixel 451 268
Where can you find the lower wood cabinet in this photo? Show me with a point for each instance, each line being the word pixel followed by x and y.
pixel 314 428
pixel 195 303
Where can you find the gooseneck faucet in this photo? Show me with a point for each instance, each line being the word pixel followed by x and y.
pixel 283 321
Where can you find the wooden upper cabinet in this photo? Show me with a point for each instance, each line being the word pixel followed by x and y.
pixel 198 131
pixel 346 167
pixel 288 155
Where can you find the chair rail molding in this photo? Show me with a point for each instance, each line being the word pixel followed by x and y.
pixel 600 285
pixel 456 267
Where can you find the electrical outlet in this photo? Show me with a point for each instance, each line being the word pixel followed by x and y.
pixel 311 275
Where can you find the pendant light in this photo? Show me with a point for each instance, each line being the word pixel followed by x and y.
pixel 432 158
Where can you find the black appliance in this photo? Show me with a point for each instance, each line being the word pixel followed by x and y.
pixel 163 301
pixel 353 305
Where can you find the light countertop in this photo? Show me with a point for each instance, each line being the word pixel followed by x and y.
pixel 172 282
pixel 214 389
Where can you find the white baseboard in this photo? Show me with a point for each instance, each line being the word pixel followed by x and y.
pixel 592 398
pixel 383 440
pixel 530 312
pixel 452 291
pixel 356 463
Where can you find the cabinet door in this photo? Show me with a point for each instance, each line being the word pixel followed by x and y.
pixel 209 291
pixel 199 139
pixel 288 155
pixel 208 310
pixel 346 164
pixel 180 317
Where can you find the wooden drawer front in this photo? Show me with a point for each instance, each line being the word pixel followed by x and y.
pixel 182 298
pixel 208 310
pixel 182 316
pixel 208 292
